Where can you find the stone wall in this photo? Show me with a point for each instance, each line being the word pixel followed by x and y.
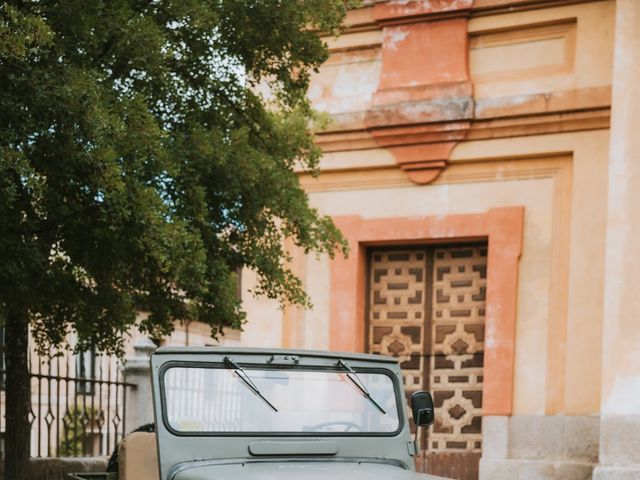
pixel 539 447
pixel 58 468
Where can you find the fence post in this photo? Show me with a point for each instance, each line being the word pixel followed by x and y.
pixel 137 370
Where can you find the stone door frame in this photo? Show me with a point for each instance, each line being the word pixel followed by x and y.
pixel 501 228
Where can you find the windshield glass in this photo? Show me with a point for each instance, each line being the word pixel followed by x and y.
pixel 201 399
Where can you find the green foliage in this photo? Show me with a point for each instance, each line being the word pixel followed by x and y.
pixel 77 430
pixel 140 166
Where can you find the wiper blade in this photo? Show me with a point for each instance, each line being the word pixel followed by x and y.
pixel 353 376
pixel 247 380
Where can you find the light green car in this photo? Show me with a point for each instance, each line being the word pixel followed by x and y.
pixel 247 414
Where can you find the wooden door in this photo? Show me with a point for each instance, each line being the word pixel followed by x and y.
pixel 426 306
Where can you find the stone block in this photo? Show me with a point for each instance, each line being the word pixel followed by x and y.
pixel 495 437
pixel 536 437
pixel 620 441
pixel 512 469
pixel 616 473
pixel 573 438
pixel 536 447
pixel 581 438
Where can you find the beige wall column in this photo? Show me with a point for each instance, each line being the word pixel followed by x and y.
pixel 137 370
pixel 620 421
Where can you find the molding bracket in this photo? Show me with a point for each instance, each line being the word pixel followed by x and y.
pixel 423 103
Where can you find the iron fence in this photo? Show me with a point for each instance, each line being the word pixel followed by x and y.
pixel 78 405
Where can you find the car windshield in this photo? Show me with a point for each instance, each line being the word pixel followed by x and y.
pixel 220 400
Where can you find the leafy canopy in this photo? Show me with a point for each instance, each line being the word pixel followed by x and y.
pixel 140 167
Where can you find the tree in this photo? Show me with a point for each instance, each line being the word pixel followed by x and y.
pixel 140 167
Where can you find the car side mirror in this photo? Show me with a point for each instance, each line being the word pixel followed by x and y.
pixel 422 408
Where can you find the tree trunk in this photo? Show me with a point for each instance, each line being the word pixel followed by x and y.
pixel 18 393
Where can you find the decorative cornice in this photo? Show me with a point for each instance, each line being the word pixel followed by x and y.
pixel 401 12
pixel 531 123
pixel 420 104
pixel 372 15
pixel 423 163
pixel 493 7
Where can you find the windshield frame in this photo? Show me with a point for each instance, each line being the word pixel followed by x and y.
pixel 397 389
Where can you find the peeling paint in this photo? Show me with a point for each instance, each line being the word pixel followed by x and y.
pixel 497 103
pixel 433 110
pixel 354 82
pixel 393 36
pixel 345 87
pixel 411 7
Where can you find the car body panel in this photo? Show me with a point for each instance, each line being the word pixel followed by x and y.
pixel 289 469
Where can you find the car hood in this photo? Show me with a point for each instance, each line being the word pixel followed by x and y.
pixel 294 470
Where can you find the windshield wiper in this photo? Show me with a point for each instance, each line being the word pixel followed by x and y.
pixel 247 380
pixel 353 376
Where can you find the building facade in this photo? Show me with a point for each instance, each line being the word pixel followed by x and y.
pixel 484 162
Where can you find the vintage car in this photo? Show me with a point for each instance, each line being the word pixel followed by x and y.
pixel 250 414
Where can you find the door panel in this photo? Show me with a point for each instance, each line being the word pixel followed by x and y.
pixel 396 313
pixel 426 306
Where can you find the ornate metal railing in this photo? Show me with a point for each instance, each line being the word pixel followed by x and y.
pixel 78 405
